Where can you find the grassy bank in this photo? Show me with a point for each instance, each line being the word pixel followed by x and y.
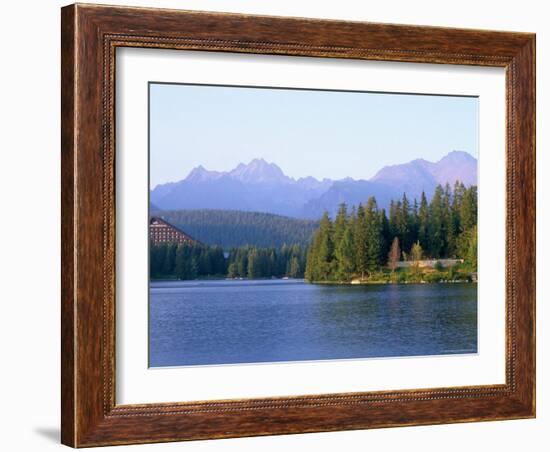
pixel 412 275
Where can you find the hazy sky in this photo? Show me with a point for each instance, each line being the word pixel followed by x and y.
pixel 307 133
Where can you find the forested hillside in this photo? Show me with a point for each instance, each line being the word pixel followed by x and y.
pixel 232 229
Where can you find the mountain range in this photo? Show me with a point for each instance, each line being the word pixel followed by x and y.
pixel 260 186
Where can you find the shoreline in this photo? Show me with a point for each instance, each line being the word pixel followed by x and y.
pixel 381 282
pixel 326 283
pixel 226 279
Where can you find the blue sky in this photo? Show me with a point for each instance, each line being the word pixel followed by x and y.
pixel 307 133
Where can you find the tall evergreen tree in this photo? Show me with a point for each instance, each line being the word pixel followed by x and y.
pixel 386 234
pixel 414 221
pixel 423 222
pixel 294 268
pixel 468 209
pixel 325 252
pixel 458 197
pixel 340 223
pixel 183 262
pixel 360 237
pixel 157 255
pixel 254 264
pixel 242 262
pixel 311 262
pixel 448 231
pixel 471 252
pixel 395 219
pixel 193 268
pixel 169 259
pixel 405 223
pixel 345 256
pixel 373 236
pixel 435 228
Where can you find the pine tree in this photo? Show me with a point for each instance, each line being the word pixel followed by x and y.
pixel 294 270
pixel 345 256
pixel 423 222
pixel 157 255
pixel 271 260
pixel 448 232
pixel 242 262
pixel 468 209
pixel 180 262
pixel 313 266
pixel 183 257
pixel 435 226
pixel 467 247
pixel 471 255
pixel 395 219
pixel 325 252
pixel 360 239
pixel 193 269
pixel 254 270
pixel 169 259
pixel 405 223
pixel 219 264
pixel 414 221
pixel 205 261
pixel 311 261
pixel 458 198
pixel 373 236
pixel 340 223
pixel 386 235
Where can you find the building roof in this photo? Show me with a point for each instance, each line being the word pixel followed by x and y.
pixel 170 225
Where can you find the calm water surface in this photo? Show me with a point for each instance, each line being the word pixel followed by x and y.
pixel 224 322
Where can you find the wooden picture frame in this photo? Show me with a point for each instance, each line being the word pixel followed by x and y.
pixel 90 36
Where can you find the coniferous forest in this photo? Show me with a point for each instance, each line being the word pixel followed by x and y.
pixel 192 261
pixel 366 244
pixel 361 243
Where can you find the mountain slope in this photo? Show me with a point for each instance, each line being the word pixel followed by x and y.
pixel 418 175
pixel 456 165
pixel 391 182
pixel 232 228
pixel 352 192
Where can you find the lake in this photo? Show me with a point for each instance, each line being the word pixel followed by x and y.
pixel 253 321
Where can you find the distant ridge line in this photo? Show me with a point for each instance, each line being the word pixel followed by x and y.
pixel 260 186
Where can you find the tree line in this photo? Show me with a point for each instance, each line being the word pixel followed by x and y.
pixel 252 262
pixel 192 261
pixel 366 240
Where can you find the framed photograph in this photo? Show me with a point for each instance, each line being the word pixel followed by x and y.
pixel 280 225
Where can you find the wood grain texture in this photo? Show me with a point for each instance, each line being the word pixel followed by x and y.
pixel 90 36
pixel 67 226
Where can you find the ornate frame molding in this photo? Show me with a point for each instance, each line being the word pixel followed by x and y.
pixel 90 36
